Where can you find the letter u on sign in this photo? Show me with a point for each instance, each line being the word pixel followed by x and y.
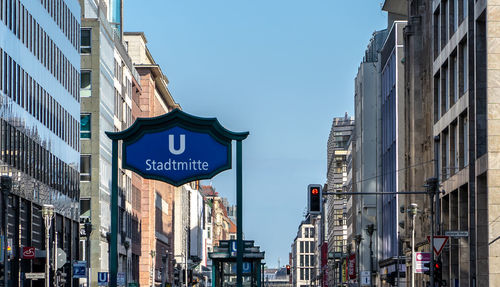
pixel 171 145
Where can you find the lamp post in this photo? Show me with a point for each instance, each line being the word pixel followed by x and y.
pixel 358 239
pixel 88 231
pixel 47 214
pixel 370 229
pixel 413 212
pixel 153 277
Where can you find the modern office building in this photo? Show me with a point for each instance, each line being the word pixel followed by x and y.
pixel 393 141
pixel 367 151
pixel 39 127
pixel 341 131
pixel 303 260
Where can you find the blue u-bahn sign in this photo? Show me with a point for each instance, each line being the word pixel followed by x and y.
pixel 177 147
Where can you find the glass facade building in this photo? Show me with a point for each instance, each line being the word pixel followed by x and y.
pixel 40 125
pixel 392 77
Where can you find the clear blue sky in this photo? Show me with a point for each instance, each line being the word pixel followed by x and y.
pixel 280 69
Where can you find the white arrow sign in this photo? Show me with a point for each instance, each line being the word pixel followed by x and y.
pixel 439 243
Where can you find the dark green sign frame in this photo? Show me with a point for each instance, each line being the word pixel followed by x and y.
pixel 175 118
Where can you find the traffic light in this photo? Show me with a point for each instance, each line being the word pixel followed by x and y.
pixel 427 267
pixel 288 270
pixel 438 271
pixel 314 196
pixel 391 279
pixel 176 276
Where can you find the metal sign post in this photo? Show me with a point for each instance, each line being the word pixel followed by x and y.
pixel 175 148
pixel 239 216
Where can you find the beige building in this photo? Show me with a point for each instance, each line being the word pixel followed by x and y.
pixel 156 198
pixel 452 66
pixel 108 83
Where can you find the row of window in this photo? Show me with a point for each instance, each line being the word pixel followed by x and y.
pixel 447 18
pixel 63 17
pixel 32 35
pixel 307 247
pixel 18 85
pixel 306 273
pixel 23 153
pixel 451 82
pixel 454 147
pixel 308 232
pixel 307 260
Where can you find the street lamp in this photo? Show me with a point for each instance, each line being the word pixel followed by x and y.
pixel 370 229
pixel 413 212
pixel 358 239
pixel 153 254
pixel 47 214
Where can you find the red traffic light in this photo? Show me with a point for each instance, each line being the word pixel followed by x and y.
pixel 288 267
pixel 438 265
pixel 315 191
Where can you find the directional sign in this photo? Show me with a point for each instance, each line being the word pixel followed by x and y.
pixel 439 243
pixel 102 278
pixel 457 233
pixel 177 147
pixel 420 259
pixel 80 269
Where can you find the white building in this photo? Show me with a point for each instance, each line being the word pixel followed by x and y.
pixel 303 258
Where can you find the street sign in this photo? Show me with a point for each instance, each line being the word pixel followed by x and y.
pixel 120 279
pixel 102 278
pixel 365 278
pixel 457 233
pixel 34 276
pixel 247 267
pixel 420 259
pixel 439 243
pixel 177 147
pixel 29 252
pixel 80 269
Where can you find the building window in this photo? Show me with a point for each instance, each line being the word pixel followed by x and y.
pixel 85 83
pixel 85 126
pixel 86 40
pixel 85 208
pixel 465 139
pixel 463 66
pixel 85 167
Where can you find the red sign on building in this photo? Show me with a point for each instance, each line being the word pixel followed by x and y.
pixel 28 252
pixel 324 263
pixel 351 266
